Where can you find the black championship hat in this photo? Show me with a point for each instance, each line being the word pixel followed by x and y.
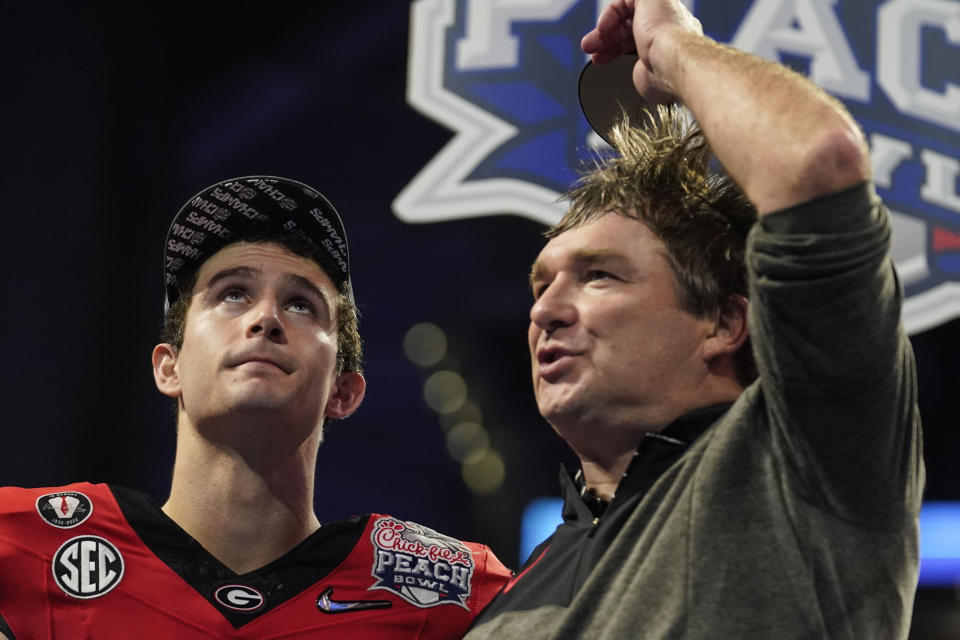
pixel 606 90
pixel 213 218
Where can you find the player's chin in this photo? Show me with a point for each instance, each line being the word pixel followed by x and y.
pixel 260 397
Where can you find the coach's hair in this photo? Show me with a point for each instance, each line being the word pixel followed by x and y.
pixel 661 176
pixel 349 344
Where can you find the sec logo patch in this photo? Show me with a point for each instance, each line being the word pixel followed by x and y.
pixel 87 567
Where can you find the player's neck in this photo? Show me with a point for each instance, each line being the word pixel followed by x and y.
pixel 245 513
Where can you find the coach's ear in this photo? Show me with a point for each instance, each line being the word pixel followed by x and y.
pixel 729 330
pixel 165 370
pixel 347 394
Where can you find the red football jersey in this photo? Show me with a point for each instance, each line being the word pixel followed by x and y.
pixel 92 561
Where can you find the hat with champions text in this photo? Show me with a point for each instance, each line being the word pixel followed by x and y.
pixel 221 213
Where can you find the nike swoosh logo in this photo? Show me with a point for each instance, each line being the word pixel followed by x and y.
pixel 328 605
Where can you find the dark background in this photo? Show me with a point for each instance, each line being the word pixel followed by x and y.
pixel 111 123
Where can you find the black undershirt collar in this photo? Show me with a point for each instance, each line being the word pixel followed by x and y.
pixel 657 451
pixel 280 580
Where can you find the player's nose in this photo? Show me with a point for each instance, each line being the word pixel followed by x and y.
pixel 265 321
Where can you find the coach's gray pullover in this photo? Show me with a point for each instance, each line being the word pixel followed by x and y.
pixel 794 515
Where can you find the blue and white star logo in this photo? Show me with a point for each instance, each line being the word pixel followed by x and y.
pixel 502 74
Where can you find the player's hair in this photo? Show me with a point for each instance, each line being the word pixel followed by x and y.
pixel 349 344
pixel 661 176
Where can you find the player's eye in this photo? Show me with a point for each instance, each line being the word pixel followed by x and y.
pixel 301 306
pixel 233 294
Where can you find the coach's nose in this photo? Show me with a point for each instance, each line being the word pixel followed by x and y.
pixel 555 306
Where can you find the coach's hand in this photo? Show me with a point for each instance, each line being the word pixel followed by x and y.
pixel 626 26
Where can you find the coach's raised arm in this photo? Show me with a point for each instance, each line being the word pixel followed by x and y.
pixel 780 137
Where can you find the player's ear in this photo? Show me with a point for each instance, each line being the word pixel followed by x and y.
pixel 347 394
pixel 165 371
pixel 730 329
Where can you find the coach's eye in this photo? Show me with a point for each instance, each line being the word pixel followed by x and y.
pixel 598 274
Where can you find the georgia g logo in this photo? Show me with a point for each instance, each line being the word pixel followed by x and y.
pixel 503 77
pixel 87 567
pixel 239 597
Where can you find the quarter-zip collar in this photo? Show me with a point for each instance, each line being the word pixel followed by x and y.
pixel 656 453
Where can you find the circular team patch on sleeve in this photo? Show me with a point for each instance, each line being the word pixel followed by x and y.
pixel 87 567
pixel 64 509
